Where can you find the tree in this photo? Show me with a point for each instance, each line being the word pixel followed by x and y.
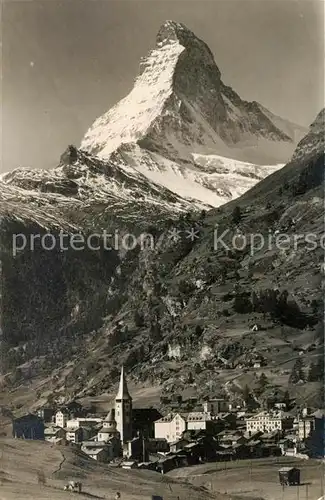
pixel 236 214
pixel 138 319
pixel 286 399
pixel 246 394
pixel 316 371
pixel 297 373
pixel 242 303
pixel 263 381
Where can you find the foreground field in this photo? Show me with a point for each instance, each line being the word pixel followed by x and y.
pixel 31 470
pixel 23 465
pixel 257 478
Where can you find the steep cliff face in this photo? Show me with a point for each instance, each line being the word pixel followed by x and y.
pixel 313 142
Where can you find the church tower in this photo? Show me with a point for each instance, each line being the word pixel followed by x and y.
pixel 123 410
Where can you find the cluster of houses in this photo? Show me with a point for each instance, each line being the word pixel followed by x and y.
pixel 143 438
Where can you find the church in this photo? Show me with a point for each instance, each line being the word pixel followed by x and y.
pixel 118 422
pixel 124 427
pixel 123 410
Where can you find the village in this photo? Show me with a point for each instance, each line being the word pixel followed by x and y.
pixel 143 438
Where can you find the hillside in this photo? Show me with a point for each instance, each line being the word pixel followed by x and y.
pixel 178 315
pixel 30 469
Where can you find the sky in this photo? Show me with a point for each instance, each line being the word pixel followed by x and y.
pixel 64 63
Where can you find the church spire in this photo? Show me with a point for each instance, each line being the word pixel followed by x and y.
pixel 123 392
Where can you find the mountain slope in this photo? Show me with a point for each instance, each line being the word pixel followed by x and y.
pixel 178 315
pixel 180 107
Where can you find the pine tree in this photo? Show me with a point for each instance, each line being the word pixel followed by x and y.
pixel 316 371
pixel 312 373
pixel 286 399
pixel 236 214
pixel 263 381
pixel 246 394
pixel 297 372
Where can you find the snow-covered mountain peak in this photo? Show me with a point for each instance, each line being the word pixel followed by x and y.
pixel 179 105
pixel 180 108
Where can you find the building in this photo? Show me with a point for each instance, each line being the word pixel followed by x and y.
pixel 268 422
pixel 69 411
pixel 199 420
pixel 123 410
pixel 109 428
pixel 61 418
pixel 51 433
pixel 74 435
pixel 170 427
pixel 154 445
pixel 315 443
pixel 83 421
pixel 215 406
pixel 98 454
pixel 305 427
pixel 28 427
pixel 99 450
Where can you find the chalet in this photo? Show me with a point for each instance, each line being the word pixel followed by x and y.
pixel 28 427
pixel 74 435
pixel 54 432
pixel 231 438
pixel 98 454
pixel 177 445
pixel 100 451
pixel 156 445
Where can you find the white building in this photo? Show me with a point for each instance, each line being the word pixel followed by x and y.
pixel 79 422
pixel 198 420
pixel 305 427
pixel 170 427
pixel 74 435
pixel 173 425
pixel 268 422
pixel 61 418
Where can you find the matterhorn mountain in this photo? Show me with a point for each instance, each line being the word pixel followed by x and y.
pixel 184 129
pixel 180 141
